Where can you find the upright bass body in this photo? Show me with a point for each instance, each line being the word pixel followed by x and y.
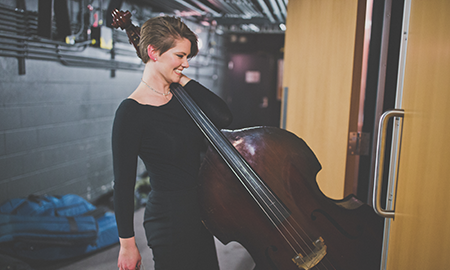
pixel 318 232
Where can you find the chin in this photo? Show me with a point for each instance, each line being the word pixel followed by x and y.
pixel 177 79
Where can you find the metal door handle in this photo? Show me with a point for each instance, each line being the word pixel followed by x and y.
pixel 379 162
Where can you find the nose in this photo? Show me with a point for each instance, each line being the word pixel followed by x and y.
pixel 185 63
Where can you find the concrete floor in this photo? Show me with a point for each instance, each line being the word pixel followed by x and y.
pixel 231 257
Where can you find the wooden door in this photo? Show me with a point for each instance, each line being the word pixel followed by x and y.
pixel 322 72
pixel 419 237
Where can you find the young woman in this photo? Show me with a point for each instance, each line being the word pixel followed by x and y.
pixel 153 125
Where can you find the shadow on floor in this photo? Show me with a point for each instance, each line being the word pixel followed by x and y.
pixel 231 256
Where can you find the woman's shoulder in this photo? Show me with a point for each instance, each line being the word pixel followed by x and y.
pixel 128 106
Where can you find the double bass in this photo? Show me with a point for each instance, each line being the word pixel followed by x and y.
pixel 258 187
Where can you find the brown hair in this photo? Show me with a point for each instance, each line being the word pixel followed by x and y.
pixel 161 32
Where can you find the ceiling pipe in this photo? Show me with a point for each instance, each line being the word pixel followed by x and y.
pixel 276 10
pixel 207 9
pixel 248 8
pixel 266 11
pixel 283 4
pixel 226 6
pixel 191 7
pixel 217 5
pixel 243 9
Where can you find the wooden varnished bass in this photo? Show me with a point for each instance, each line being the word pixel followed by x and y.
pixel 258 187
pixel 306 226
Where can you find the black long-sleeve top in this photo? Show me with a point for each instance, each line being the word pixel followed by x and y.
pixel 168 142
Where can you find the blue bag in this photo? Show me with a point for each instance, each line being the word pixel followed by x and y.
pixel 49 228
pixel 68 205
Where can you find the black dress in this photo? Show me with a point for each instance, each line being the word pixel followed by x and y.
pixel 169 143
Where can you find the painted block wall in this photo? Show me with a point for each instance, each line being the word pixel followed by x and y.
pixel 55 128
pixel 56 121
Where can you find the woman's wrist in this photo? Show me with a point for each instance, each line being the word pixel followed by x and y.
pixel 184 80
pixel 127 242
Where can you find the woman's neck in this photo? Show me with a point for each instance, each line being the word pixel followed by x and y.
pixel 154 80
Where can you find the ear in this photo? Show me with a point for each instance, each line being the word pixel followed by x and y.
pixel 152 53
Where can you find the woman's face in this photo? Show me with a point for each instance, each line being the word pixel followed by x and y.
pixel 171 63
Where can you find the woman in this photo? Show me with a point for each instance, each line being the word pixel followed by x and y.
pixel 153 125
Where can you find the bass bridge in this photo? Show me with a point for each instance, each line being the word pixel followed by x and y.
pixel 312 259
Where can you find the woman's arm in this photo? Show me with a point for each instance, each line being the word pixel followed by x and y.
pixel 126 135
pixel 125 147
pixel 212 105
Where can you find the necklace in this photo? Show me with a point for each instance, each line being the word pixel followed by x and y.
pixel 164 94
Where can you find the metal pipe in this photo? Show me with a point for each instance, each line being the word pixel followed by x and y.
pixel 191 7
pixel 248 8
pixel 206 8
pixel 276 10
pixel 69 60
pixel 82 7
pixel 31 41
pixel 266 11
pixel 26 47
pixel 225 6
pixel 283 8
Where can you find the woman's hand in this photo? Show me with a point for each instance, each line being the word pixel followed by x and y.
pixel 129 256
pixel 184 80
